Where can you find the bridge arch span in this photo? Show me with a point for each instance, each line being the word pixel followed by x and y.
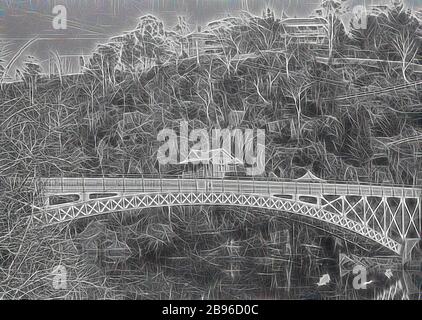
pixel 73 211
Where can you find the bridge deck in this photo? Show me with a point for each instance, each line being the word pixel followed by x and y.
pixel 384 220
pixel 270 187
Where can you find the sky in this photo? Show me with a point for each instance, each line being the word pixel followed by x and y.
pixel 93 21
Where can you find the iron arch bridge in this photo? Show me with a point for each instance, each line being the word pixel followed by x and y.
pixel 387 215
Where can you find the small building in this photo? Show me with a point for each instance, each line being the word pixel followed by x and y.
pixel 310 177
pixel 306 30
pixel 66 64
pixel 216 163
pixel 197 43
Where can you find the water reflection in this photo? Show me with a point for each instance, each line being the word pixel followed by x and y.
pixel 407 287
pixel 403 285
pixel 378 282
pixel 394 292
pixel 262 261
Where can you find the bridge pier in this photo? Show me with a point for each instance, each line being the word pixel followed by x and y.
pixel 411 287
pixel 83 197
pixel 407 249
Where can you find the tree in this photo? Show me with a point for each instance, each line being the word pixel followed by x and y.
pixel 30 73
pixel 182 29
pixel 150 37
pixel 5 51
pixel 331 10
pixel 268 15
pixel 400 39
pixel 368 38
pixel 182 26
pixel 31 68
pixel 2 69
pixel 295 87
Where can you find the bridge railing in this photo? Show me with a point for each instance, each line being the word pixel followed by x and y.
pixel 173 183
pixel 226 178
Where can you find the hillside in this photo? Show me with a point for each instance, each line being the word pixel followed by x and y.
pixel 345 106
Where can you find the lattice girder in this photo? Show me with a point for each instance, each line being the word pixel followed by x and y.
pixel 396 218
pixel 328 211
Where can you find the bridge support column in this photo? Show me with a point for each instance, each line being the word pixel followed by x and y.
pixel 411 287
pixel 83 197
pixel 46 200
pixel 407 248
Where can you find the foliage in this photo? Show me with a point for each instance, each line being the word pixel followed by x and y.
pixel 339 107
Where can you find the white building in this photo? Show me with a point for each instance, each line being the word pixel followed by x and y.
pixel 66 64
pixel 306 30
pixel 214 163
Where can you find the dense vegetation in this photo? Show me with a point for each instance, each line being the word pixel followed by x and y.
pixel 325 108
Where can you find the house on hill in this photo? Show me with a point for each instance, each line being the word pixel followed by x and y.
pixel 306 30
pixel 216 163
pixel 66 64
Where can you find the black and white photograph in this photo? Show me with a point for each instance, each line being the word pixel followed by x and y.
pixel 220 151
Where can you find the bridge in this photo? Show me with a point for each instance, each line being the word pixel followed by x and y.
pixel 388 215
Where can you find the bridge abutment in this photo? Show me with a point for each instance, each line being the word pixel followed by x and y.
pixel 407 249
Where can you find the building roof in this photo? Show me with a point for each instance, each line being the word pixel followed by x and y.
pixel 304 22
pixel 221 155
pixel 309 176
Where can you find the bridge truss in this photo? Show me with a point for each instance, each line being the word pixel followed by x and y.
pixel 387 221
